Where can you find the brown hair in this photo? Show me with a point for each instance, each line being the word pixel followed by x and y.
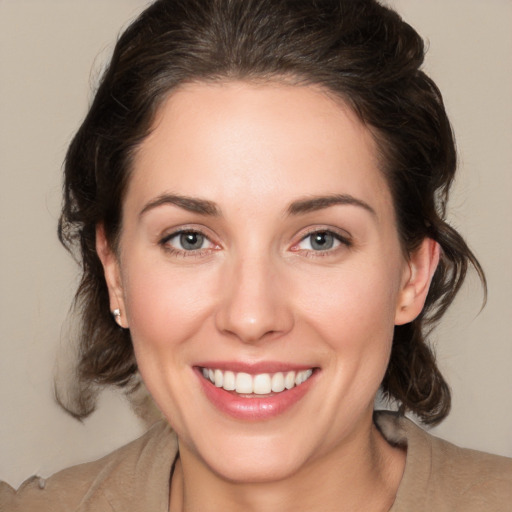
pixel 359 50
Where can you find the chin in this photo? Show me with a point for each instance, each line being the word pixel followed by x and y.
pixel 253 459
pixel 257 469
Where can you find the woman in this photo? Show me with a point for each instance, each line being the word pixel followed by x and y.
pixel 258 194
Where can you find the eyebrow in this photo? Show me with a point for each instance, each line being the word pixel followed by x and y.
pixel 209 208
pixel 320 202
pixel 191 204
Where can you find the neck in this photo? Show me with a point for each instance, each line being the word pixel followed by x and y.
pixel 362 474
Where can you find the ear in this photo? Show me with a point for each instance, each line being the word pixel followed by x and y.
pixel 112 272
pixel 418 275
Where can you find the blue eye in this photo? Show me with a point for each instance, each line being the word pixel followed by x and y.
pixel 321 241
pixel 191 241
pixel 187 241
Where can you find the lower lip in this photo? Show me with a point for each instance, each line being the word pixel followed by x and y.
pixel 253 407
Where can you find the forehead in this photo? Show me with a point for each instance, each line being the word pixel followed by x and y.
pixel 275 141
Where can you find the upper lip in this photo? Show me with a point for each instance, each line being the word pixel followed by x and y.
pixel 254 368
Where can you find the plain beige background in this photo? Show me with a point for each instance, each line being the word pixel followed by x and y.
pixel 47 51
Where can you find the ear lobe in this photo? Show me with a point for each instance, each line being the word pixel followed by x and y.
pixel 110 264
pixel 421 267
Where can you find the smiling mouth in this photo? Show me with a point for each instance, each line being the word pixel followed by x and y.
pixel 259 384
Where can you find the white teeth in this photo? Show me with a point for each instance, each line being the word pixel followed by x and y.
pixel 260 384
pixel 289 380
pixel 219 378
pixel 243 383
pixel 278 382
pixel 229 381
pixel 302 376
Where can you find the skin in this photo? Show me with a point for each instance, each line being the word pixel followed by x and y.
pixel 257 290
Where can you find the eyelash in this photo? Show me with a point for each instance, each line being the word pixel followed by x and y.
pixel 344 241
pixel 198 253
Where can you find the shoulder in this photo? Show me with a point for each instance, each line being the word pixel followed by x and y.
pixel 443 477
pixel 108 484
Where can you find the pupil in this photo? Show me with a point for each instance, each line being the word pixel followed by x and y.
pixel 191 241
pixel 322 241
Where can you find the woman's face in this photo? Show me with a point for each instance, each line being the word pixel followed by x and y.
pixel 259 248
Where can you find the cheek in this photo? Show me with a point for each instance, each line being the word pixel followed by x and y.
pixel 165 306
pixel 358 299
pixel 352 312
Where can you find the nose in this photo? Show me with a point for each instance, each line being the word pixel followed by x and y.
pixel 253 305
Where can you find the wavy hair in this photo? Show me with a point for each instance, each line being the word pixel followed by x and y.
pixel 361 51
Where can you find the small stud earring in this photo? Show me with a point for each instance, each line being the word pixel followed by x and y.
pixel 117 316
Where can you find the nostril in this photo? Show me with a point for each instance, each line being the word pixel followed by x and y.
pixel 250 306
pixel 254 329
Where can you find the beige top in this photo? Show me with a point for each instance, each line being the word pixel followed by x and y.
pixel 439 477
